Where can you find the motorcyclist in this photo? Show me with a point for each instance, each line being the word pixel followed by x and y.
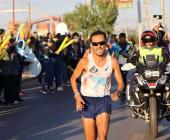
pixel 148 56
pixel 149 50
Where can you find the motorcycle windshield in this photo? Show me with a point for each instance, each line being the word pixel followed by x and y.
pixel 151 62
pixel 152 68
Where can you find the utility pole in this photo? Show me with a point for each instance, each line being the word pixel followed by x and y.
pixel 13 13
pixel 29 22
pixel 146 14
pixel 162 9
pixel 139 21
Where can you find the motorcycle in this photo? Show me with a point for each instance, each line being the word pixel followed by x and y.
pixel 149 99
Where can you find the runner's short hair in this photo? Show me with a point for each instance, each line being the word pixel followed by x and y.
pixel 98 32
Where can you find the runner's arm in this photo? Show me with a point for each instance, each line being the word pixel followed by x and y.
pixel 76 74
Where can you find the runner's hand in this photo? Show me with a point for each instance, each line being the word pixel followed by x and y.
pixel 115 96
pixel 79 103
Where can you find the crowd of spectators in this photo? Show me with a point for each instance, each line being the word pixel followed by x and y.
pixel 56 68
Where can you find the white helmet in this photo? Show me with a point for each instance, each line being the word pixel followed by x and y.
pixel 61 28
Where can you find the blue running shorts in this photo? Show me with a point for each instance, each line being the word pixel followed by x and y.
pixel 95 106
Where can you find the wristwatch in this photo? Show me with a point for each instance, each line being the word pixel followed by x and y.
pixel 76 93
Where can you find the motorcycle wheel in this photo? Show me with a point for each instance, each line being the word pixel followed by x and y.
pixel 153 124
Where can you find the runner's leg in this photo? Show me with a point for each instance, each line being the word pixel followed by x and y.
pixel 89 125
pixel 102 122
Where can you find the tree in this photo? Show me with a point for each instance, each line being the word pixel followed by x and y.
pixel 86 19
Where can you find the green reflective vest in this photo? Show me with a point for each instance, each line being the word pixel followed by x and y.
pixel 143 52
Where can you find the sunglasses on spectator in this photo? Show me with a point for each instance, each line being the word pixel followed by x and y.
pixel 98 43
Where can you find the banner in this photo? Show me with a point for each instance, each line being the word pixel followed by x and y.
pixel 124 3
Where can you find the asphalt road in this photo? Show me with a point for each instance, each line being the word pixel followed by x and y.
pixel 53 117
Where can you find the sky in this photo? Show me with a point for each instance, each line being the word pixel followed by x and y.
pixel 127 18
pixel 43 7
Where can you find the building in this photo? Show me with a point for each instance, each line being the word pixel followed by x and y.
pixel 43 28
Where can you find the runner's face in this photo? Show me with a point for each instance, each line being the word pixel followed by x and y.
pixel 98 44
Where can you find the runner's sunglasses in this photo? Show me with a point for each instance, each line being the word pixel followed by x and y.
pixel 98 43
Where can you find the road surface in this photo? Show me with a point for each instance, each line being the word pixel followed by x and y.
pixel 53 117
